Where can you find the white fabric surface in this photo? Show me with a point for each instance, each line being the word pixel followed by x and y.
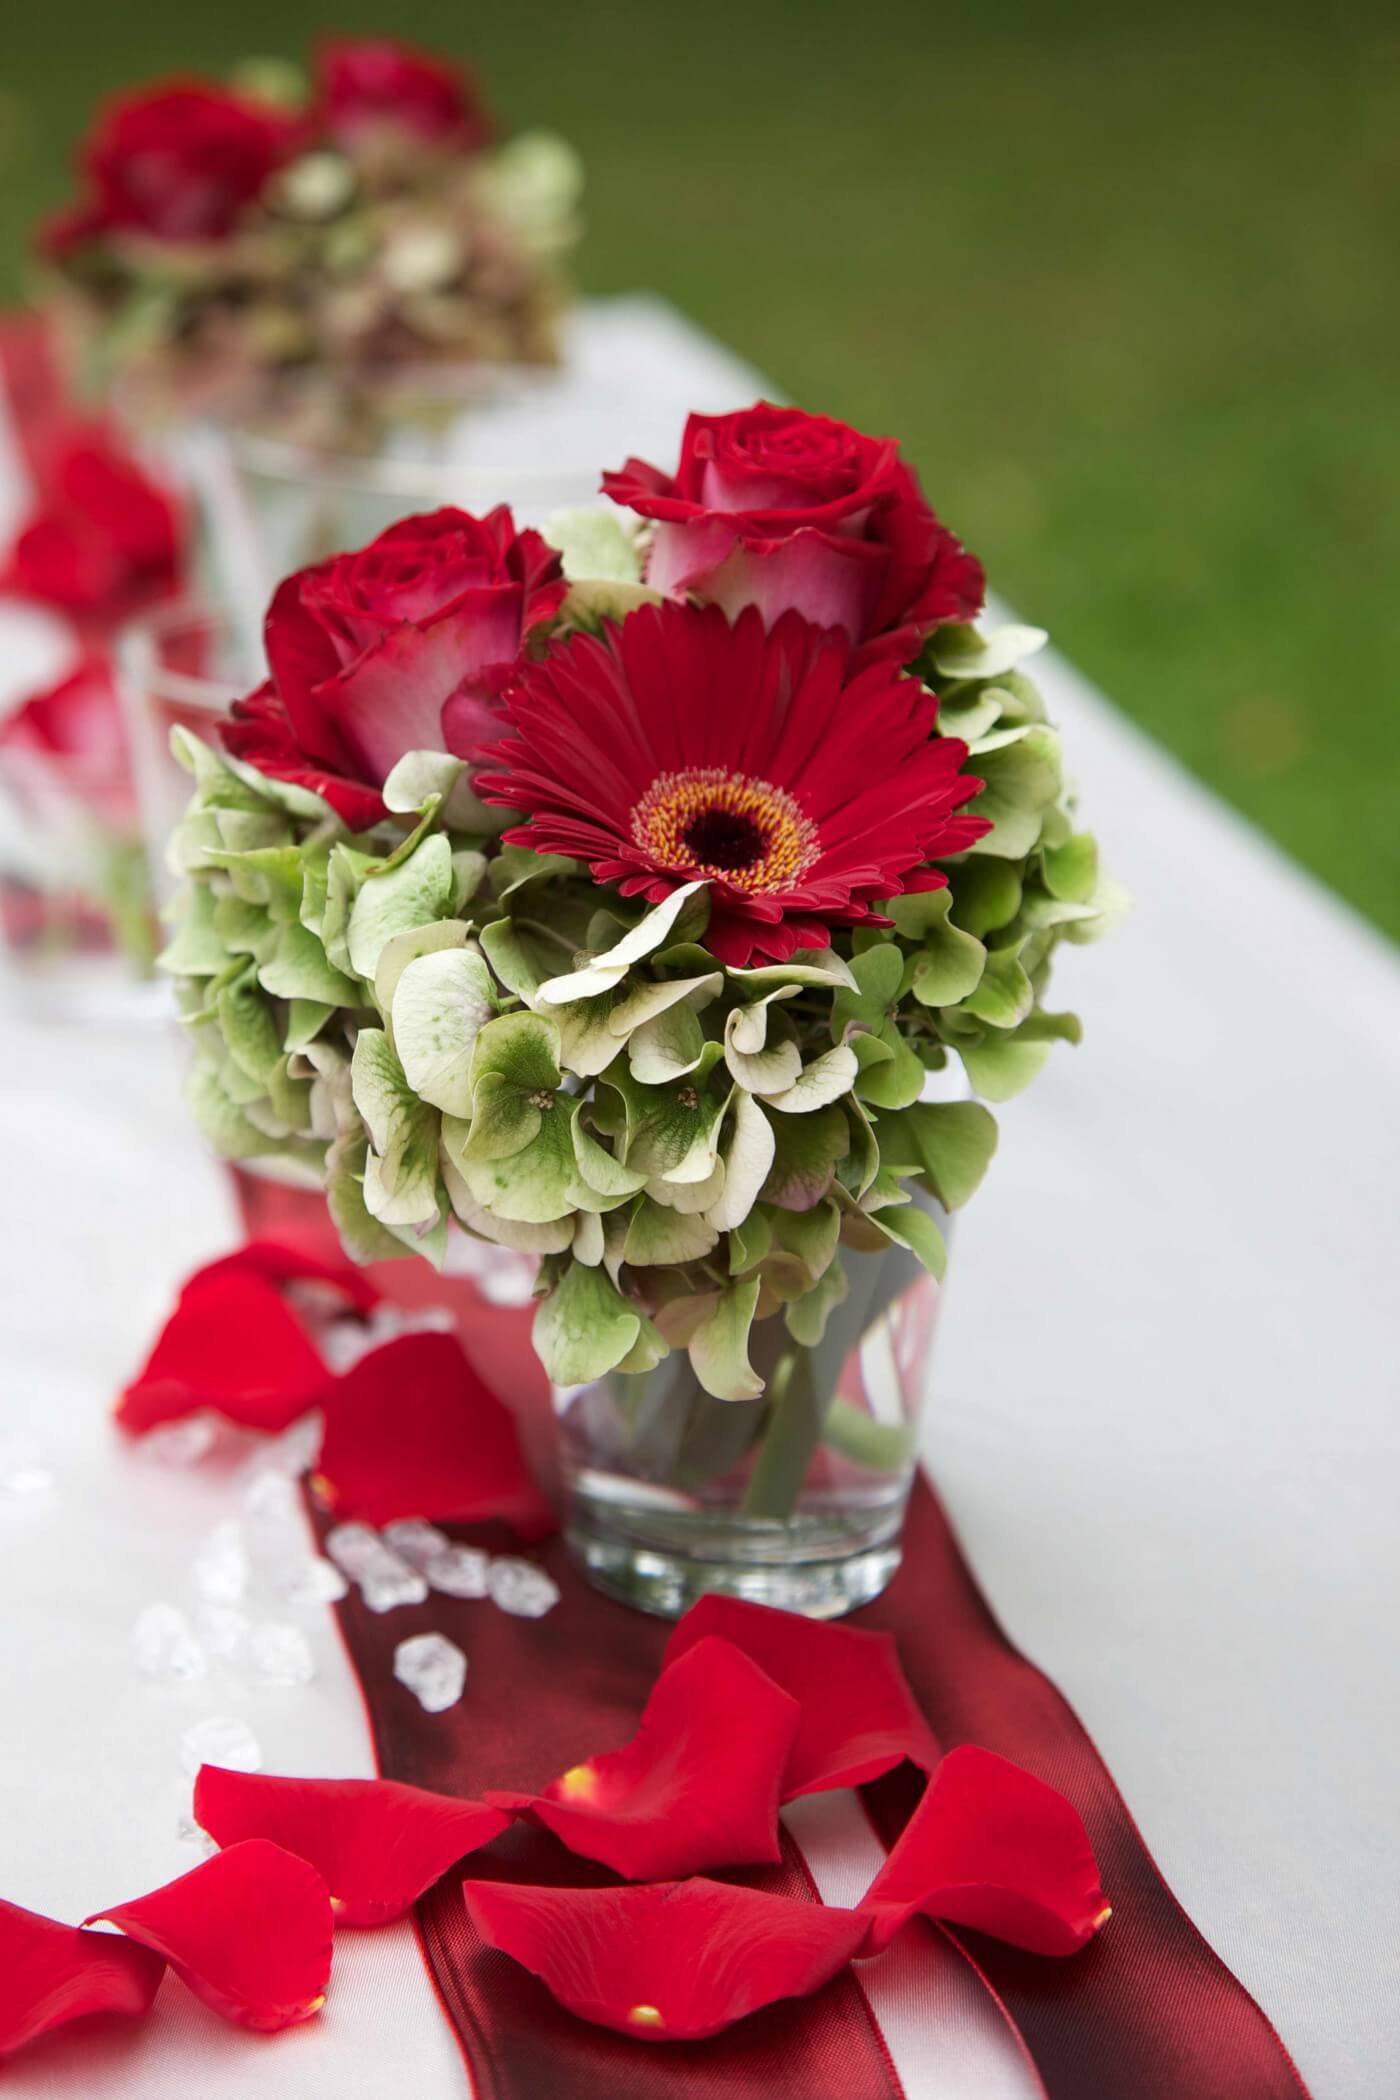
pixel 1170 1450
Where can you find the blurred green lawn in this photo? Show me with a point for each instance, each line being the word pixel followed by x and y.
pixel 1125 282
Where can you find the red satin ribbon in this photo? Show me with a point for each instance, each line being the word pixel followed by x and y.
pixel 1148 2012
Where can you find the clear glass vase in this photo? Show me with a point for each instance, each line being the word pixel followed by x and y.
pixel 796 1499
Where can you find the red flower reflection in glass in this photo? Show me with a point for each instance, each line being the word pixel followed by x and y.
pixel 699 1784
pixel 376 1843
pixel 992 1847
pixel 669 1962
pixel 249 1931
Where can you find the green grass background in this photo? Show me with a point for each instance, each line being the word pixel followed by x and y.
pixel 1126 281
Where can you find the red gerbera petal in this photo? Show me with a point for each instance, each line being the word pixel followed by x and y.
pixel 699 1784
pixel 859 1717
pixel 375 1843
pixel 992 1847
pixel 234 1343
pixel 412 1431
pixel 52 1973
pixel 670 1962
pixel 249 1931
pixel 682 748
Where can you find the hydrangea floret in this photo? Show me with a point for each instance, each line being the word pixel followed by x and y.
pixel 649 981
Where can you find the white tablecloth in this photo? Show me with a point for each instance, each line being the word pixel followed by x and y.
pixel 1166 1427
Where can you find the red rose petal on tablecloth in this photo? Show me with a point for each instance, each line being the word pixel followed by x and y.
pixel 52 1973
pixel 699 1784
pixel 669 1962
pixel 249 1931
pixel 992 1847
pixel 236 1343
pixel 859 1717
pixel 376 1843
pixel 413 1431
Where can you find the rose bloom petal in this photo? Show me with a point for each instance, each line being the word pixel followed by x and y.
pixel 235 1343
pixel 699 1784
pixel 249 1931
pixel 669 1962
pixel 375 1843
pixel 859 1717
pixel 52 1973
pixel 992 1847
pixel 413 1431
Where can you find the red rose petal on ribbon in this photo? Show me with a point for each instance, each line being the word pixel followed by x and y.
pixel 235 1343
pixel 669 1962
pixel 992 1847
pixel 52 1973
pixel 375 1843
pixel 699 1784
pixel 413 1431
pixel 249 1931
pixel 859 1717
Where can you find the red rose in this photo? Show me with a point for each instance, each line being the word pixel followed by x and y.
pixel 775 508
pixel 376 84
pixel 400 647
pixel 178 162
pixel 104 540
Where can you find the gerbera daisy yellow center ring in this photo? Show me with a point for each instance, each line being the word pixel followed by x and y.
pixel 706 822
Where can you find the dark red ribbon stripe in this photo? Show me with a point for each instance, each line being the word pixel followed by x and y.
pixel 1148 2012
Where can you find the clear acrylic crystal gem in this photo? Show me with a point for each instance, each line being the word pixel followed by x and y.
pixel 384 1577
pixel 415 1539
pixel 309 1581
pixel 164 1646
pixel 182 1443
pixel 189 1833
pixel 281 1655
pixel 221 1566
pixel 521 1588
pixel 433 1668
pixel 224 1630
pixel 220 1739
pixel 459 1571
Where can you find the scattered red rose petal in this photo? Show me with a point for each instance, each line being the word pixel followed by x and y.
pixel 412 1431
pixel 669 1962
pixel 249 1931
pixel 235 1343
pixel 992 1847
pixel 52 1973
pixel 859 1717
pixel 375 1843
pixel 699 1784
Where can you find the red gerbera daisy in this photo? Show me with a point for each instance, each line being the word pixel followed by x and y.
pixel 682 749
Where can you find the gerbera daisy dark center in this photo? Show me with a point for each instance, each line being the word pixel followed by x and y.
pixel 707 822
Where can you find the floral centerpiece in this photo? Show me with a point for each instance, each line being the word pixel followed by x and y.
pixel 663 904
pixel 296 249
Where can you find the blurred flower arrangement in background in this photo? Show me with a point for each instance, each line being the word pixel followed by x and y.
pixel 102 541
pixel 300 250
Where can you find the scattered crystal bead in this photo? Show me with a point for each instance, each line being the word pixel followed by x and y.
pixel 384 1577
pixel 416 1539
pixel 309 1581
pixel 164 1646
pixel 220 1739
pixel 433 1668
pixel 460 1571
pixel 182 1443
pixel 224 1630
pixel 221 1566
pixel 281 1655
pixel 189 1833
pixel 294 1451
pixel 521 1588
